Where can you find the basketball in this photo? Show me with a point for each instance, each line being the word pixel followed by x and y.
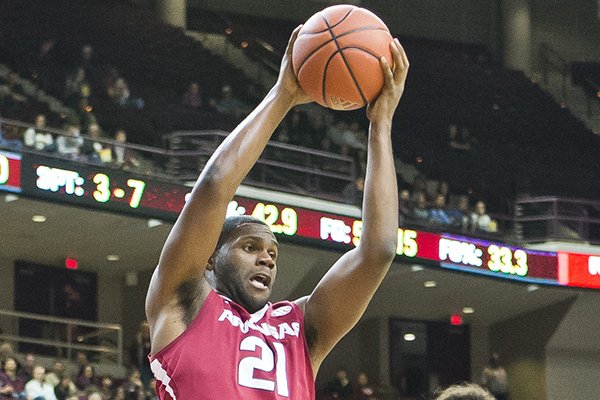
pixel 336 56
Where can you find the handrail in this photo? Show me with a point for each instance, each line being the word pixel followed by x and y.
pixel 554 59
pixel 551 58
pixel 59 320
pixel 553 217
pixel 57 343
pixel 183 164
pixel 70 342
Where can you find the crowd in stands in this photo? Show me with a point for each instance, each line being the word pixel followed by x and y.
pixel 105 85
pixel 27 379
pixel 342 387
pixel 429 203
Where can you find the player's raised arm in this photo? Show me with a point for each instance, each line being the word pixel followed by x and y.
pixel 178 286
pixel 341 297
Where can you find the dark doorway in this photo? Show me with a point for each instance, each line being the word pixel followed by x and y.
pixel 425 355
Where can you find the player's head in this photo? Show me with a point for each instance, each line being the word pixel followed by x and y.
pixel 466 391
pixel 243 266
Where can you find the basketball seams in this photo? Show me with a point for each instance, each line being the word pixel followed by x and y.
pixel 333 35
pixel 361 29
pixel 347 82
pixel 330 27
pixel 369 52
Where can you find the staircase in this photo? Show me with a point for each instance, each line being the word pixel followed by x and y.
pixel 220 44
pixel 555 78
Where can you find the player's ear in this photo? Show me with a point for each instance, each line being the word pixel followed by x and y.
pixel 210 264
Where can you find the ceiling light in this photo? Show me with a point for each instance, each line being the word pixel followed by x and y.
pixel 468 310
pixel 112 257
pixel 409 337
pixel 430 284
pixel 154 222
pixel 532 288
pixel 39 218
pixel 416 268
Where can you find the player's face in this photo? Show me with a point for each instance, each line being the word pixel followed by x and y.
pixel 245 267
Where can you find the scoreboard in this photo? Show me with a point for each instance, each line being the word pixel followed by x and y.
pixel 104 188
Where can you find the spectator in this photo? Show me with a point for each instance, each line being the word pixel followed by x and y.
pixel 151 391
pixel 42 68
pixel 455 142
pixel 9 142
pixel 318 128
pixel 480 220
pixel 13 84
pixel 140 351
pixel 6 351
pixel 420 212
pixel 355 137
pixel 106 387
pixel 69 145
pixel 12 98
pixel 120 94
pixel 36 388
pixel 119 394
pixel 192 96
pixel 337 132
pixel 354 191
pixel 86 61
pixel 438 214
pixel 36 138
pixel 461 214
pixel 92 150
pixel 12 385
pixel 230 105
pixel 340 387
pixel 81 360
pixel 85 112
pixel 94 396
pixel 495 379
pixel 466 139
pixel 404 206
pixel 87 379
pixel 419 186
pixel 66 389
pixel 465 391
pixel 299 129
pixel 26 369
pixel 133 387
pixel 364 391
pixel 56 374
pixel 122 156
pixel 77 87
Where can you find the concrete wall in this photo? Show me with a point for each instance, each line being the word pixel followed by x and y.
pixel 463 21
pixel 356 352
pixel 521 343
pixel 569 27
pixel 573 352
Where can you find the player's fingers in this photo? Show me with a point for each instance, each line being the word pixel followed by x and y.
pixel 400 60
pixel 293 38
pixel 387 71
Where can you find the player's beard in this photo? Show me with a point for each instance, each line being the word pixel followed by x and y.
pixel 230 283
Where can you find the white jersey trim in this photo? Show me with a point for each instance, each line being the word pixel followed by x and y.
pixel 161 375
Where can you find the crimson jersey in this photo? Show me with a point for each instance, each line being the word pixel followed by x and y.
pixel 227 353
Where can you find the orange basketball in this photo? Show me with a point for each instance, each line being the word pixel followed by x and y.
pixel 336 56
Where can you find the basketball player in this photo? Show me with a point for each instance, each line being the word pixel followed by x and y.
pixel 214 335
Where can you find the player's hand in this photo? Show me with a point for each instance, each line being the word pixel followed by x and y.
pixel 287 80
pixel 383 107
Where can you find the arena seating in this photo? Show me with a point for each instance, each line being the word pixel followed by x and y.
pixel 526 143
